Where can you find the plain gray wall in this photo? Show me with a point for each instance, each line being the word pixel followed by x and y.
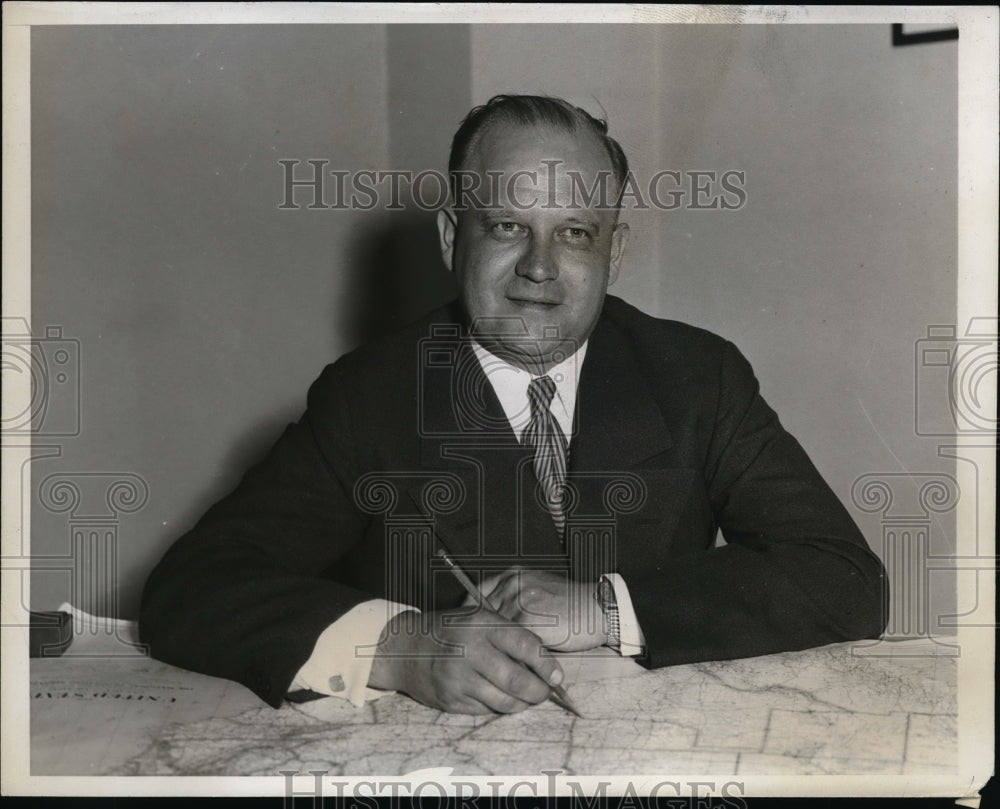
pixel 203 312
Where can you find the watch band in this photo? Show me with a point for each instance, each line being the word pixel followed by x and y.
pixel 605 595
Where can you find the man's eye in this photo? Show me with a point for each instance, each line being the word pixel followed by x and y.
pixel 508 229
pixel 577 234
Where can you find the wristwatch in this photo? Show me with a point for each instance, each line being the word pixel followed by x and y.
pixel 605 595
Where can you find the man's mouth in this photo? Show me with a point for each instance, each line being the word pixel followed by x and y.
pixel 520 300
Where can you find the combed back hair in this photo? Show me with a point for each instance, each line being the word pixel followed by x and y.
pixel 528 111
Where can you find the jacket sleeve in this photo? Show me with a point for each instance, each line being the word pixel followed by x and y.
pixel 795 571
pixel 239 596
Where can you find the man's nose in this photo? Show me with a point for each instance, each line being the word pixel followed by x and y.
pixel 538 262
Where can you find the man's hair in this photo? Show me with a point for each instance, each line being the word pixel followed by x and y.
pixel 527 111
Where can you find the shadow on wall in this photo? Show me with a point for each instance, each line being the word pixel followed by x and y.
pixel 395 275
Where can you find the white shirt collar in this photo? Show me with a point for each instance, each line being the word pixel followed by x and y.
pixel 511 386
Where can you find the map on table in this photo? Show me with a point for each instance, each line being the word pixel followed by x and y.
pixel 822 711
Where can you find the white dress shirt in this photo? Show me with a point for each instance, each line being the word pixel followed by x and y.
pixel 342 658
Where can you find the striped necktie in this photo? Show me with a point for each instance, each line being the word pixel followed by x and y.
pixel 546 436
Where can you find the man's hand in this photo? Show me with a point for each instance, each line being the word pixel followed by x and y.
pixel 464 662
pixel 561 611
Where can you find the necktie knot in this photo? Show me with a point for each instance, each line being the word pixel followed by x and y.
pixel 540 393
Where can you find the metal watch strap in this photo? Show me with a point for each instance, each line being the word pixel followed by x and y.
pixel 605 596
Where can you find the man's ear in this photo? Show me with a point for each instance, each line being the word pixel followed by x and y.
pixel 447 226
pixel 619 238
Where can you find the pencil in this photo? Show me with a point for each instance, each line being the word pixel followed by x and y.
pixel 563 700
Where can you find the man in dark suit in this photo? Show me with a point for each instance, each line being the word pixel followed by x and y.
pixel 573 454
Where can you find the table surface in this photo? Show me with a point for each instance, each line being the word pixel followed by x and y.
pixel 841 709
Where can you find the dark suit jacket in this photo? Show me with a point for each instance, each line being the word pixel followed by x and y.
pixel 404 445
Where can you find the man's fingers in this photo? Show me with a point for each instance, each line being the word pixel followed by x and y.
pixel 495 587
pixel 514 679
pixel 467 704
pixel 497 699
pixel 526 647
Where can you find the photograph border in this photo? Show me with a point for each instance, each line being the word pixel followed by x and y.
pixel 977 297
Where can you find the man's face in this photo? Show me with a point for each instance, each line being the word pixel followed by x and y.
pixel 533 263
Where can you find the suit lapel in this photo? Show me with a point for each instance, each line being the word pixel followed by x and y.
pixel 618 422
pixel 621 509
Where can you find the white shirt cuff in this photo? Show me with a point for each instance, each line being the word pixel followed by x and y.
pixel 342 658
pixel 632 640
